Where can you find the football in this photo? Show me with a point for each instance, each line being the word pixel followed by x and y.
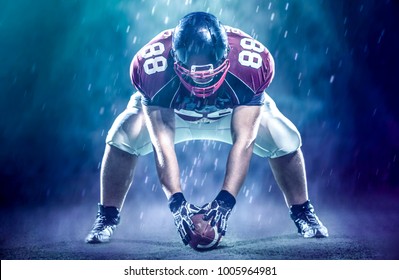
pixel 204 236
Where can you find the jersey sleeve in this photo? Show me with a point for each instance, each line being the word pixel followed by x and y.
pixel 152 68
pixel 135 73
pixel 250 63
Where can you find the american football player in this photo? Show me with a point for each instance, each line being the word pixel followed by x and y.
pixel 202 81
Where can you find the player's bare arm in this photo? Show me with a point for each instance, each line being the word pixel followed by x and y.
pixel 244 128
pixel 160 123
pixel 161 127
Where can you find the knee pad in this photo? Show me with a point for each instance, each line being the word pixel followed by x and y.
pixel 287 139
pixel 277 135
pixel 128 132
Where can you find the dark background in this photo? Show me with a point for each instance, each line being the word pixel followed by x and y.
pixel 64 77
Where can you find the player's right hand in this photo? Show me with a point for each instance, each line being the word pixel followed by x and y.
pixel 183 220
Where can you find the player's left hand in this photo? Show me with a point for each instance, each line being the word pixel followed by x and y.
pixel 218 213
pixel 219 210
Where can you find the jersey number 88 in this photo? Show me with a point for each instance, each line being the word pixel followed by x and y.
pixel 154 61
pixel 248 58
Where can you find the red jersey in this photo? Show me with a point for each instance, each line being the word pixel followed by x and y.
pixel 250 73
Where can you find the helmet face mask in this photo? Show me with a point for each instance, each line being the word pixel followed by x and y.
pixel 202 74
pixel 200 49
pixel 202 80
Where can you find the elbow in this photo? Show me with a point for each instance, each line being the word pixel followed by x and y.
pixel 245 144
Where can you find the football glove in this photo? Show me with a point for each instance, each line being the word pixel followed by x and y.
pixel 182 212
pixel 219 210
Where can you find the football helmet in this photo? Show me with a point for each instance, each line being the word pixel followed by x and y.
pixel 200 49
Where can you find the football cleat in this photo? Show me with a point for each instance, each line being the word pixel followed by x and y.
pixel 104 225
pixel 307 222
